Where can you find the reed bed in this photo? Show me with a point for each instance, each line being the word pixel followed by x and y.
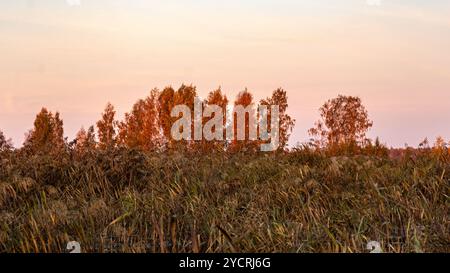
pixel 123 200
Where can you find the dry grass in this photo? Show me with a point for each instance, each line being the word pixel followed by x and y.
pixel 129 201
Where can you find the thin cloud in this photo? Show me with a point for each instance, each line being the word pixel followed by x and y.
pixel 413 13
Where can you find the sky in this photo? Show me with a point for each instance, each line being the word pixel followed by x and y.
pixel 74 56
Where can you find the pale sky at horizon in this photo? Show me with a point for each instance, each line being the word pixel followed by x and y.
pixel 75 58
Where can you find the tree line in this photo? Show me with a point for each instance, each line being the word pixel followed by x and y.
pixel 342 127
pixel 148 125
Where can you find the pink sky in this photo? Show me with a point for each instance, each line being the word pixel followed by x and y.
pixel 76 58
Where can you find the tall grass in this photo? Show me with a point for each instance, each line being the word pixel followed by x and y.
pixel 124 200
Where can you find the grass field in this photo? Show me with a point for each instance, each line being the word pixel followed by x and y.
pixel 124 200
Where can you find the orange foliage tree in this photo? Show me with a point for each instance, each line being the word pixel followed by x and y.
pixel 344 122
pixel 141 127
pixel 5 144
pixel 167 99
pixel 47 136
pixel 185 95
pixel 85 141
pixel 244 99
pixel 165 106
pixel 286 122
pixel 107 128
pixel 215 97
pixel 441 149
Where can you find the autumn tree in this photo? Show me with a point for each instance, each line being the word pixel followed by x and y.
pixel 185 95
pixel 5 150
pixel 47 136
pixel 141 128
pixel 441 149
pixel 245 100
pixel 107 128
pixel 440 143
pixel 375 148
pixel 286 122
pixel 216 98
pixel 165 106
pixel 344 121
pixel 168 99
pixel 5 144
pixel 59 132
pixel 85 141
